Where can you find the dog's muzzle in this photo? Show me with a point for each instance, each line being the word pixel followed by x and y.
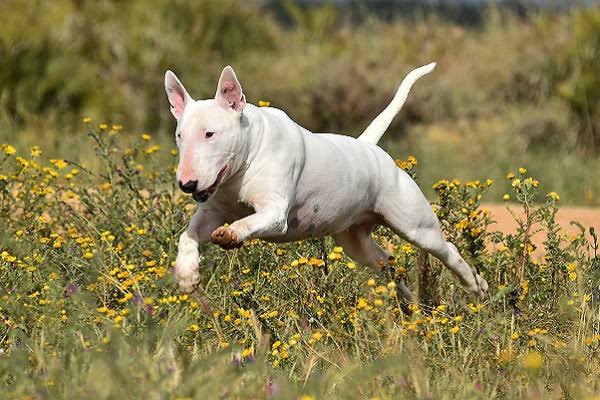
pixel 203 195
pixel 188 187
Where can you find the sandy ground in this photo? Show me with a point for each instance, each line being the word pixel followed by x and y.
pixel 506 223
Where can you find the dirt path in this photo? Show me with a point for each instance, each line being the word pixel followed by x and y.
pixel 506 223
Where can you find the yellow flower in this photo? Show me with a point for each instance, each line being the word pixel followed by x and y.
pixel 193 328
pixel 571 267
pixel 87 120
pixel 554 196
pixel 60 164
pixel 146 137
pixel 8 149
pixel 522 170
pixel 532 360
pixel 35 151
pixel 351 265
pixel 248 352
pixel 506 197
pixel 152 149
pixel 380 289
pixel 371 282
pixel 264 103
pixel 362 303
pixel 103 126
pixel 454 329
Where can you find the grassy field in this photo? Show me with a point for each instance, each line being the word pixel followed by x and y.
pixel 89 308
pixel 90 214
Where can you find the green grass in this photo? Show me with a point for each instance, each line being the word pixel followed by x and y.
pixel 89 308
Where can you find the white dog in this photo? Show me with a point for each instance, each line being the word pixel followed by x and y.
pixel 269 178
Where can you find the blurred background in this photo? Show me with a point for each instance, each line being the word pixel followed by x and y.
pixel 517 82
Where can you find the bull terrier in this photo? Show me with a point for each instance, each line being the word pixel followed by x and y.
pixel 255 173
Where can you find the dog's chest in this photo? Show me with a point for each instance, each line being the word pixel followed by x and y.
pixel 231 205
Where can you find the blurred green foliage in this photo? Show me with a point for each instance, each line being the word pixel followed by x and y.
pixel 64 58
pixel 576 74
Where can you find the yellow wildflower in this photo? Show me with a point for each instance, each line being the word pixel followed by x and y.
pixel 8 149
pixel 35 151
pixel 361 303
pixel 554 196
pixel 532 361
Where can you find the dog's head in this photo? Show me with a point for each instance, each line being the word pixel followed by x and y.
pixel 208 133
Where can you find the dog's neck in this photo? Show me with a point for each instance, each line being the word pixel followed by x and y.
pixel 251 137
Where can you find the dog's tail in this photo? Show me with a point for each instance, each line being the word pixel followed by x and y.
pixel 378 126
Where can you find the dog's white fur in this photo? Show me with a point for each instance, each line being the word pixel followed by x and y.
pixel 269 178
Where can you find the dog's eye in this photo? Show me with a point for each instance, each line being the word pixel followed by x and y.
pixel 209 134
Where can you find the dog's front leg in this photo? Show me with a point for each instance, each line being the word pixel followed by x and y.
pixel 203 222
pixel 270 220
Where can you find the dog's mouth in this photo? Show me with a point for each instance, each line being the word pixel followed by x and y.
pixel 203 195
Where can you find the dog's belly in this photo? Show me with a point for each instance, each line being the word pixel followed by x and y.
pixel 313 221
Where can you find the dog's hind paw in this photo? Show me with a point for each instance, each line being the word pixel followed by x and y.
pixel 483 285
pixel 480 288
pixel 225 237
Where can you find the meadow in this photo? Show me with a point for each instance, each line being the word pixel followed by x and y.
pixel 90 212
pixel 90 309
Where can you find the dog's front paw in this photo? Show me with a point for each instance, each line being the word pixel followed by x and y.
pixel 186 274
pixel 189 283
pixel 225 237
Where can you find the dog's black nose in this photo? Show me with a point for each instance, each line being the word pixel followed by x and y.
pixel 188 187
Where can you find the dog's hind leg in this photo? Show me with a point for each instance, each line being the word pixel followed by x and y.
pixel 408 213
pixel 360 246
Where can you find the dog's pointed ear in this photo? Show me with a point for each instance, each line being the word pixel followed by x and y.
pixel 229 91
pixel 176 93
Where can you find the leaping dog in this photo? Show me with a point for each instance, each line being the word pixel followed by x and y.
pixel 267 177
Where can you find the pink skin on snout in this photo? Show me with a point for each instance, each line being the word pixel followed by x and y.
pixel 185 171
